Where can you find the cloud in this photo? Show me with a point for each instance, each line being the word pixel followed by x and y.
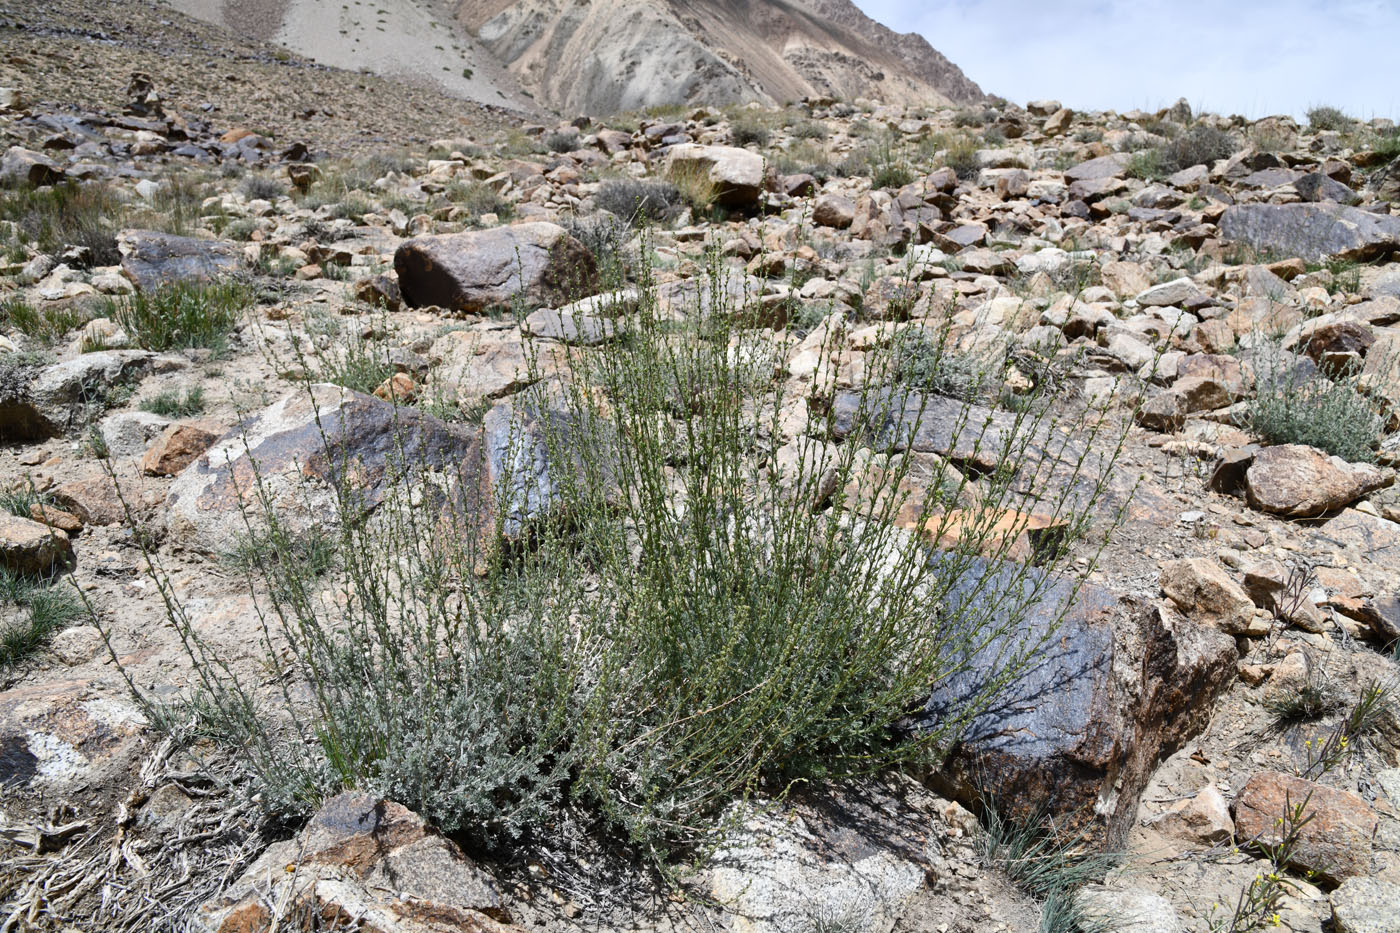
pixel 1253 57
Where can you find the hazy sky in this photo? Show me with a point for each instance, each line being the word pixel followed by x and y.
pixel 1253 57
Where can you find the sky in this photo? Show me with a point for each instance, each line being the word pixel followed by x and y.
pixel 1251 57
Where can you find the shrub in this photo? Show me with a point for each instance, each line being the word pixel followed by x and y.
pixel 262 187
pixel 810 129
pixel 477 198
pixel 1328 118
pixel 66 215
pixel 747 130
pixel 961 157
pixel 687 623
pixel 171 404
pixel 561 142
pixel 1329 414
pixel 692 180
pixel 182 315
pixel 637 201
pixel 927 362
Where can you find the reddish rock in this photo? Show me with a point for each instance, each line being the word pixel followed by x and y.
pixel 57 518
pixel 177 447
pixel 1335 843
pixel 1204 591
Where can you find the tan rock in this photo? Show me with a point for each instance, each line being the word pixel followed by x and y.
pixel 1298 481
pixel 1202 589
pixel 1204 818
pixel 30 547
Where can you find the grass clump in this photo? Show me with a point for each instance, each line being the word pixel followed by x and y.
pixel 172 404
pixel 749 131
pixel 66 215
pixel 697 189
pixel 182 315
pixel 1044 863
pixel 560 142
pixel 1329 414
pixel 1199 145
pixel 649 614
pixel 48 325
pixel 31 611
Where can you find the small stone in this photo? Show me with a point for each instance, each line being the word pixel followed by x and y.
pixel 833 210
pixel 177 447
pixel 399 386
pixel 77 645
pixel 1204 818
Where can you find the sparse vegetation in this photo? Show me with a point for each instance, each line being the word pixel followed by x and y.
pixel 182 315
pixel 1328 118
pixel 31 611
pixel 68 215
pixel 172 404
pixel 48 326
pixel 638 202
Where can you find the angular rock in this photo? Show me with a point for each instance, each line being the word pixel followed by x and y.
pixel 60 397
pixel 366 861
pixel 1312 231
pixel 1202 590
pixel 1319 187
pixel 485 365
pixel 380 291
pixel 537 262
pixel 65 735
pixel 20 166
pixel 1366 905
pixel 833 210
pixel 1203 819
pixel 32 548
pixel 1109 166
pixel 737 174
pixel 1297 481
pixel 572 328
pixel 1335 843
pixel 302 447
pixel 177 447
pixel 151 259
pixel 1181 292
pixel 1118 911
pixel 1106 692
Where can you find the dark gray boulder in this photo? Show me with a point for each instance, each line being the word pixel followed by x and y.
pixel 151 259
pixel 1312 231
pixel 1105 689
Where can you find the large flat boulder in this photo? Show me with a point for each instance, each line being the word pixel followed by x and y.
pixel 303 449
pixel 537 263
pixel 737 174
pixel 1335 843
pixel 152 259
pixel 1312 231
pixel 1107 690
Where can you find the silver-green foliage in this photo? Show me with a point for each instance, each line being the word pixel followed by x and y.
pixel 690 618
pixel 1290 407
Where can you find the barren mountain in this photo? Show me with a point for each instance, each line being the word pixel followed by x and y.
pixel 597 57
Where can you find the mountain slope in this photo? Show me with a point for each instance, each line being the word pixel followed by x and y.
pixel 597 56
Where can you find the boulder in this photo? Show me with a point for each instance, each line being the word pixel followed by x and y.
pixel 1111 910
pixel 151 259
pixel 1107 690
pixel 20 166
pixel 1312 231
pixel 484 365
pixel 1335 843
pixel 539 452
pixel 65 736
pixel 1109 166
pixel 571 327
pixel 1297 481
pixel 833 210
pixel 538 263
pixel 32 548
pixel 36 405
pixel 737 174
pixel 364 861
pixel 1202 590
pixel 300 449
pixel 1365 905
pixel 1319 187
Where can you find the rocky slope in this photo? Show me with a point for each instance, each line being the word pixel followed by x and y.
pixel 597 58
pixel 1230 656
